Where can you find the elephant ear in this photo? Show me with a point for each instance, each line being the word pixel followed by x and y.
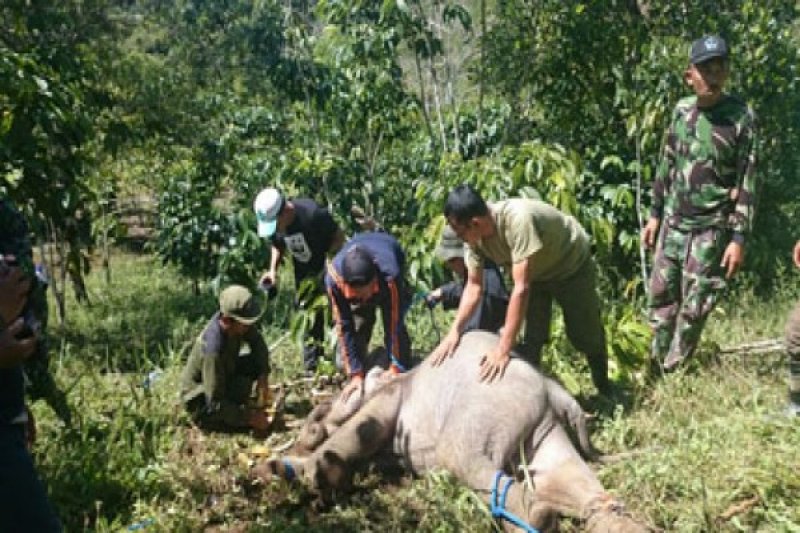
pixel 321 411
pixel 313 433
pixel 310 438
pixel 341 411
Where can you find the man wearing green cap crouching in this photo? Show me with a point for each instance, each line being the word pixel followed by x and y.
pixel 217 381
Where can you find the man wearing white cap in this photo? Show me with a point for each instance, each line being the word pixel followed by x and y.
pixel 308 232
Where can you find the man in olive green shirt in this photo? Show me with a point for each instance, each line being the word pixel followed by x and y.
pixel 217 381
pixel 548 255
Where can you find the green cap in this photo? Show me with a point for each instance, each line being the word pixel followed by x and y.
pixel 238 303
pixel 450 246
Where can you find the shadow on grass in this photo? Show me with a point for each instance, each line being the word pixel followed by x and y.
pixel 292 507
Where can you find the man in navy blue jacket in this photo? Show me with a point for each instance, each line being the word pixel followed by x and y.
pixel 23 499
pixel 368 272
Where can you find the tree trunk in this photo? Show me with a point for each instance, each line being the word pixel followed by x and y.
pixel 57 282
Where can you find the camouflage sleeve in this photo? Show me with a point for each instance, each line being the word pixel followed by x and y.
pixel 15 238
pixel 661 182
pixel 747 179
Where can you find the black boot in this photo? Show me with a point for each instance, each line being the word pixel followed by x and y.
pixel 793 409
pixel 598 365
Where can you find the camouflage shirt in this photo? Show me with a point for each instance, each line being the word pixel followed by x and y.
pixel 14 236
pixel 14 240
pixel 707 177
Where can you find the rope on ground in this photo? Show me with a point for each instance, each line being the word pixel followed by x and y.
pixel 755 347
pixel 739 508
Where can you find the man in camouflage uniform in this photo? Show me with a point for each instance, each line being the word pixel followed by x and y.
pixel 23 499
pixel 793 348
pixel 15 241
pixel 704 192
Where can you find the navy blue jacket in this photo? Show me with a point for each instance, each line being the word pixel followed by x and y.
pixel 491 312
pixel 392 296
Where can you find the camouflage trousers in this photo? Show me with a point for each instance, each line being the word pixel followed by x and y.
pixel 38 377
pixel 685 285
pixel 793 348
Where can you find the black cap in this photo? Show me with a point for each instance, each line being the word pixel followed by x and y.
pixel 358 268
pixel 707 47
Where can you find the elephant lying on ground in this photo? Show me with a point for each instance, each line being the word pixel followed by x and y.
pixel 445 418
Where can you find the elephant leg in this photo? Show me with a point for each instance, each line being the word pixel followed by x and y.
pixel 566 485
pixel 480 473
pixel 288 468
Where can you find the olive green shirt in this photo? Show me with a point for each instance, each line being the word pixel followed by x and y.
pixel 527 228
pixel 214 369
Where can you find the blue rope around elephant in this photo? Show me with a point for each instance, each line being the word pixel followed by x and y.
pixel 396 362
pixel 288 470
pixel 499 508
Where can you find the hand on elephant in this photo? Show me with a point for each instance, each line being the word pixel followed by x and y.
pixel 356 383
pixel 445 348
pixel 388 375
pixel 494 364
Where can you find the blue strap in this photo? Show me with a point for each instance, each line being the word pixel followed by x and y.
pixel 499 508
pixel 396 363
pixel 141 525
pixel 288 470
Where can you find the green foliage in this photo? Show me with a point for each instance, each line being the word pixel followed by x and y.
pixel 50 89
pixel 386 105
pixel 190 227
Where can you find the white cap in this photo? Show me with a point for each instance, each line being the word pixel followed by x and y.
pixel 268 206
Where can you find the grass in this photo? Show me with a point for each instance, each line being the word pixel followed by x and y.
pixel 698 451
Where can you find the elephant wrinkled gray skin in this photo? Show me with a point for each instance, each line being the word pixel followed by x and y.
pixel 445 418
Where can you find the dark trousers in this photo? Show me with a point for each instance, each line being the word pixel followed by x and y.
pixel 308 290
pixel 23 500
pixel 239 388
pixel 577 296
pixel 314 341
pixel 364 316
